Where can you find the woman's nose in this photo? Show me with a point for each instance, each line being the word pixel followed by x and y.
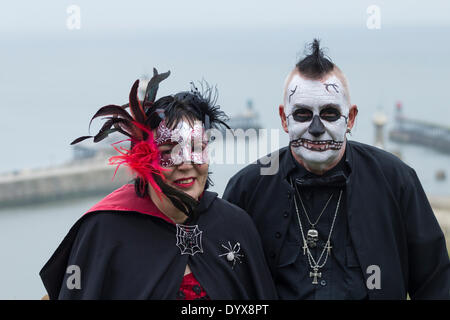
pixel 185 165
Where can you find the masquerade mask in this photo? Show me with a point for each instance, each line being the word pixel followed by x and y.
pixel 189 143
pixel 316 114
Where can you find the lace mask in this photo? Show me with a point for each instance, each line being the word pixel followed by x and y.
pixel 189 143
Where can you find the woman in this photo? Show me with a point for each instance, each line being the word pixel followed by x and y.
pixel 165 237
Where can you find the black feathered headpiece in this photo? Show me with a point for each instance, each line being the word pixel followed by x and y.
pixel 120 120
pixel 143 157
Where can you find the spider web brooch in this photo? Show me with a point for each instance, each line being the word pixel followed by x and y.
pixel 189 239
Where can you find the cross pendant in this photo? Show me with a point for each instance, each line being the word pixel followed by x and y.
pixel 328 247
pixel 315 274
pixel 305 246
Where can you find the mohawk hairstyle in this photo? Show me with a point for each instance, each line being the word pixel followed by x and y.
pixel 315 64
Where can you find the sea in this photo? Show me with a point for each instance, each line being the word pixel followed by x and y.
pixel 52 83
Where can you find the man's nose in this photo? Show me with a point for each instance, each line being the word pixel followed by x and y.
pixel 316 128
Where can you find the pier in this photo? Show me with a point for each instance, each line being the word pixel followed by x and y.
pixel 73 180
pixel 418 132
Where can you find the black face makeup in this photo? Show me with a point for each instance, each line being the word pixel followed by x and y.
pixel 328 113
pixel 292 93
pixel 333 85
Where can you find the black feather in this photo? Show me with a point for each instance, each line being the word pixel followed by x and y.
pixel 105 133
pixel 126 127
pixel 77 140
pixel 135 108
pixel 111 110
pixel 153 85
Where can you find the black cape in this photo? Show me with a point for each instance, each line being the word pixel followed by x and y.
pixel 390 221
pixel 125 249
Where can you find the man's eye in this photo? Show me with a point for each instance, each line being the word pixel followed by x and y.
pixel 330 114
pixel 302 115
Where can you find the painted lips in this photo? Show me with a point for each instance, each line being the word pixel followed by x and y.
pixel 185 182
pixel 322 145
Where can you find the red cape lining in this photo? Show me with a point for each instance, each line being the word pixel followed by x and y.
pixel 125 199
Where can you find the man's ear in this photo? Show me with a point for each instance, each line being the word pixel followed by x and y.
pixel 283 118
pixel 352 116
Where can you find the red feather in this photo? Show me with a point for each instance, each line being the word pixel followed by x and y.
pixel 143 159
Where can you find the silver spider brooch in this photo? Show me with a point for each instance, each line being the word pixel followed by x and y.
pixel 232 253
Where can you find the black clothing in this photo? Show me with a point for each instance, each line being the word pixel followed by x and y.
pixel 129 254
pixel 341 276
pixel 390 222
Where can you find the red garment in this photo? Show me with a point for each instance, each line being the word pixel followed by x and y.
pixel 125 199
pixel 191 289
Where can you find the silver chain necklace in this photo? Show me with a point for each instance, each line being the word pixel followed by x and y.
pixel 315 265
pixel 312 236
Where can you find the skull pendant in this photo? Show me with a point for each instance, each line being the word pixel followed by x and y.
pixel 312 237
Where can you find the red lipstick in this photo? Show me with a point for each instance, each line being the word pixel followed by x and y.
pixel 185 182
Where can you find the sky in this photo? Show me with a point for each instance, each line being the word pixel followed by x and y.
pixel 246 48
pixel 48 16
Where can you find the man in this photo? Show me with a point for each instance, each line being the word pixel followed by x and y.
pixel 340 219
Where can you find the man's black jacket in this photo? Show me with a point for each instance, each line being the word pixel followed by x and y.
pixel 390 221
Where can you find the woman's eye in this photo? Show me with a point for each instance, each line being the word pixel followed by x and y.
pixel 165 151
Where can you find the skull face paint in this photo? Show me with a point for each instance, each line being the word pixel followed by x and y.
pixel 316 115
pixel 189 143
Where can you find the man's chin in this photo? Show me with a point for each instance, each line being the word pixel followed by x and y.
pixel 317 161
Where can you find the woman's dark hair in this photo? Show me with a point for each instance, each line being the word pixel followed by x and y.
pixel 191 105
pixel 315 64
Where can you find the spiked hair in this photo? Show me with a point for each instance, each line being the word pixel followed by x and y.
pixel 315 64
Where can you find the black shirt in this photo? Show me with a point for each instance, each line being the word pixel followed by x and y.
pixel 341 276
pixel 394 233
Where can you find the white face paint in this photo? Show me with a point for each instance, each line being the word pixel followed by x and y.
pixel 189 143
pixel 316 112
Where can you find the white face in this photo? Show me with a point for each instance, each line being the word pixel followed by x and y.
pixel 316 113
